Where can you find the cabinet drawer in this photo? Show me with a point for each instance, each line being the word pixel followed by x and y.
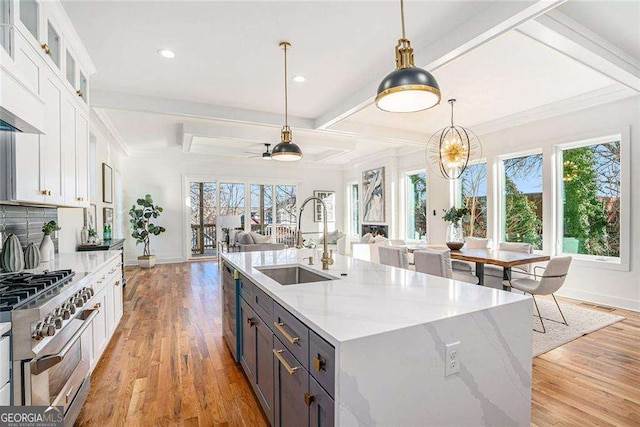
pixel 246 289
pixel 263 305
pixel 293 333
pixel 5 362
pixel 5 395
pixel 291 382
pixel 321 409
pixel 322 362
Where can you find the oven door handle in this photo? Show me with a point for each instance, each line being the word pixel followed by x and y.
pixel 40 365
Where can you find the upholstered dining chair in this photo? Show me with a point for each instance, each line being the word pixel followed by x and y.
pixel 493 274
pixel 437 262
pixel 552 279
pixel 394 257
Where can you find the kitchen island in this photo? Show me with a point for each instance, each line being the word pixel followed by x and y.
pixel 369 344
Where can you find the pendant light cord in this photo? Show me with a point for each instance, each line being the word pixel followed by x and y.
pixel 404 35
pixel 452 101
pixel 286 91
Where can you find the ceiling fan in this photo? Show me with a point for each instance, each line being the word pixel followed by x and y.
pixel 265 156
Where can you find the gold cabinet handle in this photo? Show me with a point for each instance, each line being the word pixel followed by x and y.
pixel 97 306
pixel 287 335
pixel 319 363
pixel 278 354
pixel 48 192
pixel 44 192
pixel 250 322
pixel 309 399
pixel 46 48
pixel 117 283
pixel 80 94
pixel 80 199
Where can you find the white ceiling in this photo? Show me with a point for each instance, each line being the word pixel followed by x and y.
pixel 227 52
pixel 227 55
pixel 508 75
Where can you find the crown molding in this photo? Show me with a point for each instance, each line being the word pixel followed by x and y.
pixel 104 119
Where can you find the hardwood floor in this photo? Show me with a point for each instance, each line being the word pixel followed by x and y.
pixel 168 365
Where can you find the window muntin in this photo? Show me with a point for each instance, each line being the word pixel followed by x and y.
pixel 473 196
pixel 590 199
pixel 416 206
pixel 522 199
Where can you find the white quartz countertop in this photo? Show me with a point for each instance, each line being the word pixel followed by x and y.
pixel 80 262
pixel 371 299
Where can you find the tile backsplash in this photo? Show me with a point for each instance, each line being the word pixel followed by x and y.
pixel 26 222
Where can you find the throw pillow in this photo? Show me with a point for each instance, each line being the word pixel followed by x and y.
pixel 380 240
pixel 244 238
pixel 259 238
pixel 367 238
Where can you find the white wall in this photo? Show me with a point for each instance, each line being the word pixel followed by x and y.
pixel 162 177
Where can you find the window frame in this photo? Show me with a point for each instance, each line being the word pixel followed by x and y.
pixel 501 213
pixel 405 205
pixel 615 263
pixel 350 208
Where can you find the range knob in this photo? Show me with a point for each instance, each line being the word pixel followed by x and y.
pixel 68 307
pixel 42 330
pixel 56 321
pixel 62 312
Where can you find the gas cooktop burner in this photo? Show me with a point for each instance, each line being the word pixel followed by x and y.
pixel 16 288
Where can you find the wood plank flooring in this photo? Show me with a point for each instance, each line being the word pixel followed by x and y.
pixel 167 364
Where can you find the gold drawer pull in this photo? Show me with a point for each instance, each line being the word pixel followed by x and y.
pixel 278 354
pixel 97 306
pixel 287 335
pixel 319 363
pixel 250 322
pixel 79 92
pixel 46 48
pixel 117 283
pixel 309 399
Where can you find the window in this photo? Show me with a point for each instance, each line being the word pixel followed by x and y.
pixel 473 196
pixel 590 191
pixel 522 200
pixel 5 25
pixel 71 70
pixel 29 16
pixel 232 200
pixel 203 218
pixel 286 214
pixel 261 208
pixel 54 44
pixel 416 206
pixel 354 207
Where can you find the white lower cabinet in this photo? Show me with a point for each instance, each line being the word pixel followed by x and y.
pixel 99 327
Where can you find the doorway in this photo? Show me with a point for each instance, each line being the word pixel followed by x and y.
pixel 203 215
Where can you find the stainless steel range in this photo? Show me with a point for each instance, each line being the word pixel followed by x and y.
pixel 50 337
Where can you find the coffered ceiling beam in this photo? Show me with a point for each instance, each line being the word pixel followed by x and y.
pixel 563 34
pixel 496 19
pixel 174 107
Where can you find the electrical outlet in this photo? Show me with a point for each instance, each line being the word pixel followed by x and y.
pixel 452 359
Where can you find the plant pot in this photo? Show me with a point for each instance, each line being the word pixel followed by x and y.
pixel 47 250
pixel 147 261
pixel 455 236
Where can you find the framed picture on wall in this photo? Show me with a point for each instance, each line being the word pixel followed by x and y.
pixel 107 215
pixel 90 219
pixel 329 199
pixel 373 195
pixel 107 183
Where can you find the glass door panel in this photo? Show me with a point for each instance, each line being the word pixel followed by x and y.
pixel 286 214
pixel 261 208
pixel 203 219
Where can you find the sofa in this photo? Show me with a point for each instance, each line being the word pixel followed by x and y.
pixel 367 248
pixel 253 242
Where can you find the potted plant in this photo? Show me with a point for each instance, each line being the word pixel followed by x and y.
pixel 47 249
pixel 455 235
pixel 142 228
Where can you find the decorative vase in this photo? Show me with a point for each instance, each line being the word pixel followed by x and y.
pixel 47 250
pixel 455 236
pixel 31 256
pixel 12 256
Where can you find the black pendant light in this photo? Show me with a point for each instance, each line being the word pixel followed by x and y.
pixel 408 88
pixel 286 151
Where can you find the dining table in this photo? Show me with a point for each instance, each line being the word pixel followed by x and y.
pixel 481 257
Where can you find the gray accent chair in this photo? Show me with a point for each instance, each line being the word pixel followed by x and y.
pixel 437 262
pixel 552 279
pixel 394 257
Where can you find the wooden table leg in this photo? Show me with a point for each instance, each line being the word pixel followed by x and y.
pixel 506 275
pixel 480 273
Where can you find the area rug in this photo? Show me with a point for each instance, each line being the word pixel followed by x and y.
pixel 582 321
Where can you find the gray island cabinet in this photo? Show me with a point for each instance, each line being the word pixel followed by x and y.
pixel 371 345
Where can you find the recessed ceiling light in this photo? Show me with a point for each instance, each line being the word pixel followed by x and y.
pixel 167 53
pixel 299 78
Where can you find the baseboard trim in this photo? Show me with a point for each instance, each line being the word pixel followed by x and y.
pixel 134 262
pixel 627 304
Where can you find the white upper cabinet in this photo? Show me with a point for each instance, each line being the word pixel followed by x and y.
pixel 45 81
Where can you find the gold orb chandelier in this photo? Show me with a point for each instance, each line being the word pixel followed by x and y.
pixel 450 150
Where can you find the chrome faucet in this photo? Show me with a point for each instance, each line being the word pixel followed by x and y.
pixel 327 257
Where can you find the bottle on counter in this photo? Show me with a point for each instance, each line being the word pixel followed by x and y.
pixel 84 235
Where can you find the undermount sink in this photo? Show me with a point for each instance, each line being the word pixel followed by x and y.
pixel 294 274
